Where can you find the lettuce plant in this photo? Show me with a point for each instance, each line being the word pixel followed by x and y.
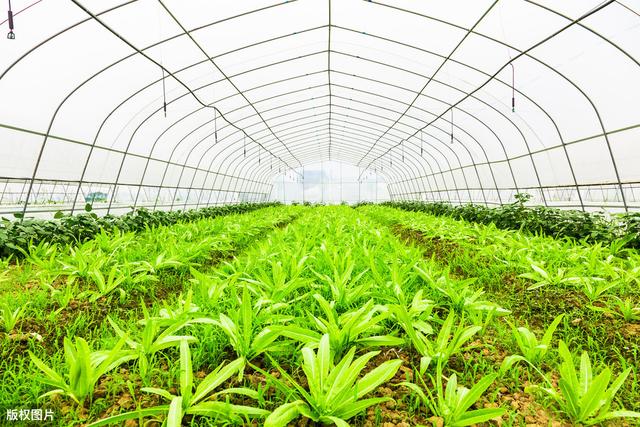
pixel 84 368
pixel 584 397
pixel 195 400
pixel 532 350
pixel 356 326
pixel 250 332
pixel 452 402
pixel 335 393
pixel 10 317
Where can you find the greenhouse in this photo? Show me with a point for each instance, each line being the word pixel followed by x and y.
pixel 369 213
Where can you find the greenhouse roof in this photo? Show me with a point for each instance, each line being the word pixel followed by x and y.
pixel 460 101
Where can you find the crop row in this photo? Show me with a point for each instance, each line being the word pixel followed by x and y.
pixel 590 227
pixel 17 235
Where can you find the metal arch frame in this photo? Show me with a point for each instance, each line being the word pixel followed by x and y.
pixel 97 19
pixel 496 79
pixel 605 134
pixel 210 59
pixel 133 134
pixel 461 129
pixel 307 74
pixel 525 53
pixel 254 155
pixel 221 141
pixel 186 94
pixel 533 163
pixel 223 127
pixel 458 127
pixel 321 126
pixel 471 157
pixel 139 52
pixel 465 177
pixel 78 188
pixel 486 12
pixel 323 106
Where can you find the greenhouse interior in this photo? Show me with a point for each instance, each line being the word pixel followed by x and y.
pixel 275 213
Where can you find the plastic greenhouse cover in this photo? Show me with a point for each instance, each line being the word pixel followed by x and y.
pixel 461 101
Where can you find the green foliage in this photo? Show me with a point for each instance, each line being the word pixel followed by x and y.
pixel 587 226
pixel 448 342
pixel 341 281
pixel 196 400
pixel 334 392
pixel 584 397
pixel 10 317
pixel 249 328
pixel 17 236
pixel 532 350
pixel 158 333
pixel 453 402
pixel 83 368
pixel 356 326
pixel 459 295
pixel 541 277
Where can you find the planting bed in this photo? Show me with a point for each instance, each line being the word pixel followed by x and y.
pixel 297 315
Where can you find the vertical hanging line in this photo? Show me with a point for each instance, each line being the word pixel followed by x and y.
pixel 164 94
pixel 421 137
pixel 10 35
pixel 452 125
pixel 215 126
pixel 244 146
pixel 513 88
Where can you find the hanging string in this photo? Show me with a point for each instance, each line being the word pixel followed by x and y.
pixel 452 125
pixel 164 93
pixel 259 154
pixel 402 146
pixel 244 146
pixel 513 88
pixel 513 72
pixel 421 137
pixel 10 35
pixel 215 126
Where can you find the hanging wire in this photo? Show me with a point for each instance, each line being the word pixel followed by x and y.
pixel 164 93
pixel 513 88
pixel 164 85
pixel 215 126
pixel 244 146
pixel 10 35
pixel 402 146
pixel 421 138
pixel 452 124
pixel 513 72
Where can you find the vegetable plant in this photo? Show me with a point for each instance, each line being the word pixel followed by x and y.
pixel 532 350
pixel 584 397
pixel 335 391
pixel 10 317
pixel 84 368
pixel 356 326
pixel 452 403
pixel 197 400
